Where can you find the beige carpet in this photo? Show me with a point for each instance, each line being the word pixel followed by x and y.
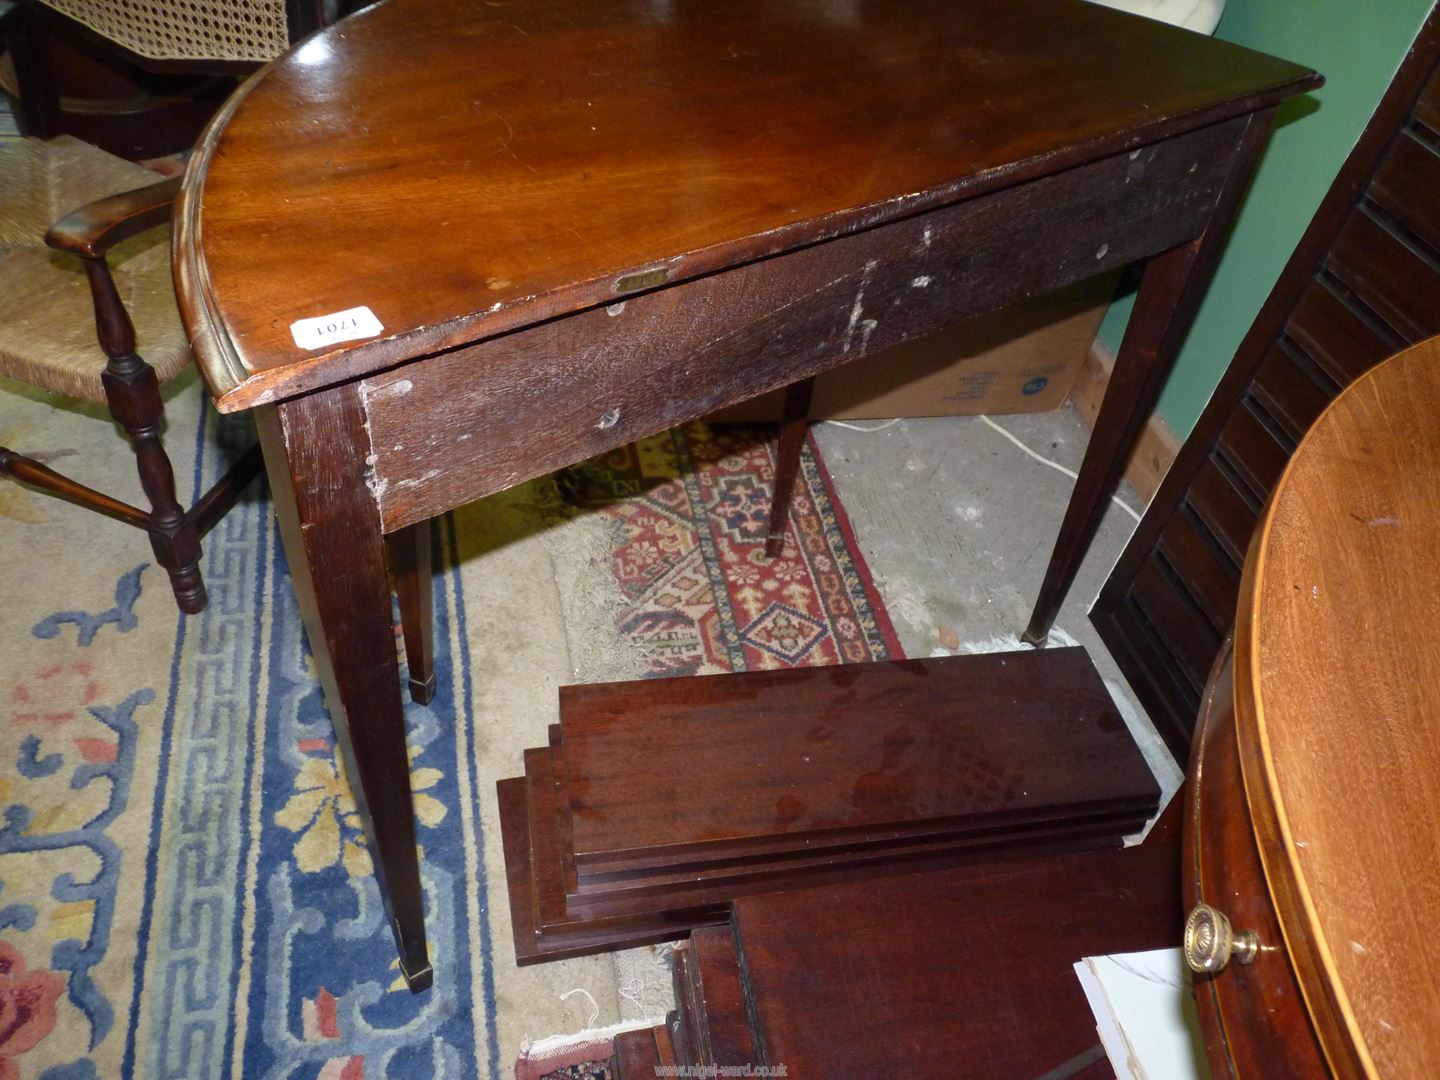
pixel 176 835
pixel 543 605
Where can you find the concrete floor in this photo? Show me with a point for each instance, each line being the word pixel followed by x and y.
pixel 957 524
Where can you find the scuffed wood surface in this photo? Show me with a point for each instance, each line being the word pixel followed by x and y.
pixel 466 170
pixel 568 389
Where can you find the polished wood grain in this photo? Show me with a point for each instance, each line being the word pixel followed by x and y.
pixel 1157 443
pixel 813 776
pixel 1387 275
pixel 39 475
pixel 1405 184
pixel 1186 634
pixel 692 996
pixel 1257 453
pixel 580 938
pixel 1336 691
pixel 552 920
pixel 491 414
pixel 1252 1016
pixel 848 755
pixel 1337 335
pixel 712 1024
pixel 966 972
pixel 132 393
pixel 1225 507
pixel 699 890
pixel 1203 568
pixel 1287 389
pixel 581 223
pixel 94 229
pixel 573 153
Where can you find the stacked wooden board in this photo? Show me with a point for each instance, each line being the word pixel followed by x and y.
pixel 658 802
pixel 711 1024
pixel 644 1054
pixel 964 972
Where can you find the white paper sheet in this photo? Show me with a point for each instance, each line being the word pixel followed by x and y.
pixel 1145 1013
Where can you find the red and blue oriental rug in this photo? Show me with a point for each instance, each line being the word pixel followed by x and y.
pixel 701 598
pixel 184 887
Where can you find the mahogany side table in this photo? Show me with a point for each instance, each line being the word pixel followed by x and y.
pixel 442 247
pixel 1310 836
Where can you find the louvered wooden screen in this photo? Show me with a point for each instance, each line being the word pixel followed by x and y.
pixel 1363 283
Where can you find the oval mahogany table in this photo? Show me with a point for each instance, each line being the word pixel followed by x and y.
pixel 442 247
pixel 1314 828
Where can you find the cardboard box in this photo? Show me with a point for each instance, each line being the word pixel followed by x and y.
pixel 1022 359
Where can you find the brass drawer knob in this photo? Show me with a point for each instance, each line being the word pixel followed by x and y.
pixel 1210 942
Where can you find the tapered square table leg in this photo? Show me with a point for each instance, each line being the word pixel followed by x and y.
pixel 330 526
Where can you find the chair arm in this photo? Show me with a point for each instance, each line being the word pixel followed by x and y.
pixel 94 229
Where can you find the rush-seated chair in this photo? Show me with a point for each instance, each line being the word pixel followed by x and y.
pixel 105 274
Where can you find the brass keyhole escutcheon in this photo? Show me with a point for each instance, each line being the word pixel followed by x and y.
pixel 1210 941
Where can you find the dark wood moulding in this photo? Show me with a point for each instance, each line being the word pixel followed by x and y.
pixel 660 801
pixel 975 980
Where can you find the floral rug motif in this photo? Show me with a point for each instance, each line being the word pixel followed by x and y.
pixel 184 887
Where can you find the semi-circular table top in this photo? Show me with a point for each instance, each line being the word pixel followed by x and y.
pixel 467 167
pixel 1338 716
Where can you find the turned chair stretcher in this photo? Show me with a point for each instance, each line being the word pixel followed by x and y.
pixel 130 387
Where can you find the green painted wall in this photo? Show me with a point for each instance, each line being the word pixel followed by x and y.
pixel 1357 47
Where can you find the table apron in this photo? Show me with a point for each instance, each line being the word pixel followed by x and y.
pixel 450 428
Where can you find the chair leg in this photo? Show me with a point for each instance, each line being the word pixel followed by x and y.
pixel 39 94
pixel 222 496
pixel 133 394
pixel 36 474
pixel 410 563
pixel 787 461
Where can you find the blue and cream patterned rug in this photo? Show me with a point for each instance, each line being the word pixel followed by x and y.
pixel 184 889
